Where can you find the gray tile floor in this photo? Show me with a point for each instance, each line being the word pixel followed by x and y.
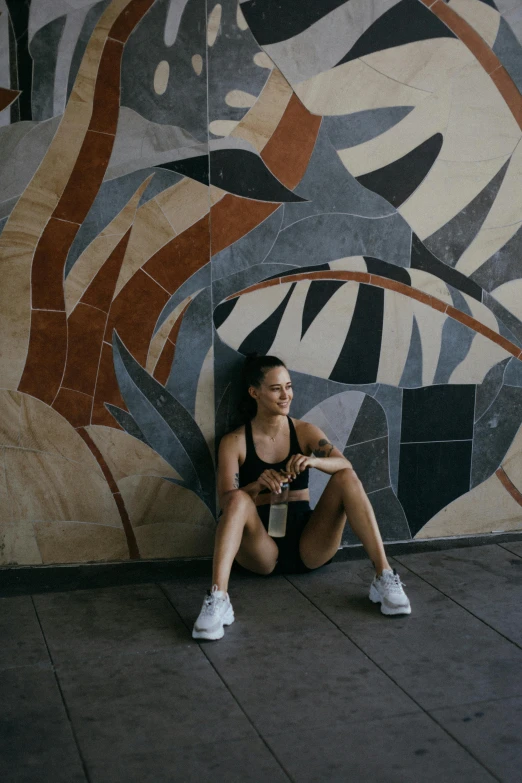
pixel 311 684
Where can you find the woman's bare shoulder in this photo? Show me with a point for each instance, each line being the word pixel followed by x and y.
pixel 234 438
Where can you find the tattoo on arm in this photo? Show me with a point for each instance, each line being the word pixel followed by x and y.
pixel 324 448
pixel 236 481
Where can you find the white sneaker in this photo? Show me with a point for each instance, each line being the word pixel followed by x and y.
pixel 216 612
pixel 387 591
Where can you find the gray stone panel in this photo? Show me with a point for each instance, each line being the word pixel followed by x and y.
pixel 349 130
pixel 323 238
pixel 390 518
pixel 44 51
pixel 412 373
pixel 370 462
pixel 509 52
pixel 513 373
pixel 494 433
pixel 504 265
pixel 226 286
pixel 309 392
pixel 250 250
pixel 488 390
pixel 390 397
pixel 455 344
pixel 452 239
pixel 185 98
pixel 329 187
pixel 200 279
pixel 370 423
pixel 512 326
pixel 22 148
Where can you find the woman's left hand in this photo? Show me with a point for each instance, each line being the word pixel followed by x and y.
pixel 297 463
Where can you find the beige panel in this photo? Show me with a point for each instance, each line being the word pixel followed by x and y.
pixel 512 462
pixel 485 509
pixel 18 544
pixel 57 490
pixel 214 21
pixel 430 284
pixel 349 263
pixel 425 65
pixel 481 313
pixel 184 203
pixel 126 456
pixel 428 118
pixel 10 405
pixel 448 187
pixel 287 341
pixel 322 343
pixel 353 87
pixel 484 19
pixel 486 243
pixel 151 500
pixel 97 252
pixel 250 311
pixel 79 542
pixel 150 231
pixel 223 127
pixel 44 429
pixel 240 99
pixel 174 539
pixel 157 343
pixel 396 337
pixel 259 124
pixel 507 207
pixel 36 204
pixel 510 295
pixel 481 357
pixel 6 509
pixel 430 323
pixel 204 406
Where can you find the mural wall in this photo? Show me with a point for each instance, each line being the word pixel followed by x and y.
pixel 183 182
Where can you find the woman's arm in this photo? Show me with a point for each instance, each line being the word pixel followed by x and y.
pixel 320 453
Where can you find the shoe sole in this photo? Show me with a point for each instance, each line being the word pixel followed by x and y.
pixel 376 599
pixel 213 636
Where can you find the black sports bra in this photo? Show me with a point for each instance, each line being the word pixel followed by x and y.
pixel 253 466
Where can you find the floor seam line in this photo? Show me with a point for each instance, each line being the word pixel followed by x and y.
pixel 65 706
pixel 431 717
pixel 461 606
pixel 247 716
pixel 510 550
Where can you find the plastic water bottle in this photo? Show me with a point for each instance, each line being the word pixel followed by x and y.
pixel 278 512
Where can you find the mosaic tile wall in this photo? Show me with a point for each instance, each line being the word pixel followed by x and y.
pixel 183 182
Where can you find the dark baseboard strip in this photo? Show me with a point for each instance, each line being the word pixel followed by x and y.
pixel 26 580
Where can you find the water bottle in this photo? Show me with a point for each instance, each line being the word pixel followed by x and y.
pixel 278 512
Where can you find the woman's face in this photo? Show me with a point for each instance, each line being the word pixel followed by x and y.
pixel 275 393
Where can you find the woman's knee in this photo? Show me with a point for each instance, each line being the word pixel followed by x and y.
pixel 347 477
pixel 235 502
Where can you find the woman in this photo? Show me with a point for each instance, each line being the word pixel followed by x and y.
pixel 254 461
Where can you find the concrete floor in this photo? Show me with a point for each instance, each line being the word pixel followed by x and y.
pixel 310 684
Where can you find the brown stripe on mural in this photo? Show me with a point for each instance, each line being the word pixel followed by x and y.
pixel 508 484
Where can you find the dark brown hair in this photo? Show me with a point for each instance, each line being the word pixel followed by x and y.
pixel 253 372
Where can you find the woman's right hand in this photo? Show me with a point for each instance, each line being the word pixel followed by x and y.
pixel 272 479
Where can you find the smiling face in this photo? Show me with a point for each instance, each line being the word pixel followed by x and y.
pixel 275 393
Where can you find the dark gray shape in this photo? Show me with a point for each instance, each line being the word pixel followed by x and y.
pixel 250 250
pixel 455 344
pixel 126 421
pixel 3 221
pixel 505 317
pixel 390 517
pixel 231 66
pixel 110 200
pixel 513 373
pixel 405 748
pixel 90 22
pixel 323 238
pixel 169 428
pixel 200 279
pixel 192 345
pixel 370 423
pixel 390 397
pixel 370 462
pixel 490 732
pixel 458 300
pixel 36 740
pixel 185 98
pixel 226 286
pixel 488 390
pixel 22 640
pixel 480 579
pixel 228 364
pixel 494 433
pixel 309 391
pixel 503 266
pixel 451 240
pixel 161 180
pixel 44 51
pixel 348 130
pixel 334 387
pixel 509 52
pixel 81 626
pixel 6 207
pixel 329 187
pixel 411 376
pixel 453 657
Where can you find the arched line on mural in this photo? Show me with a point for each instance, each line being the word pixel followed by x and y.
pixel 483 53
pixel 401 288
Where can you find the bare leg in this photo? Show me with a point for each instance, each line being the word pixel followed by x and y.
pixel 240 534
pixel 343 497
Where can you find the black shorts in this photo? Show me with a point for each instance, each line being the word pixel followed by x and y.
pixel 289 560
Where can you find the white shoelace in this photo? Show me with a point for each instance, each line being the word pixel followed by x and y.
pixel 393 582
pixel 210 603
